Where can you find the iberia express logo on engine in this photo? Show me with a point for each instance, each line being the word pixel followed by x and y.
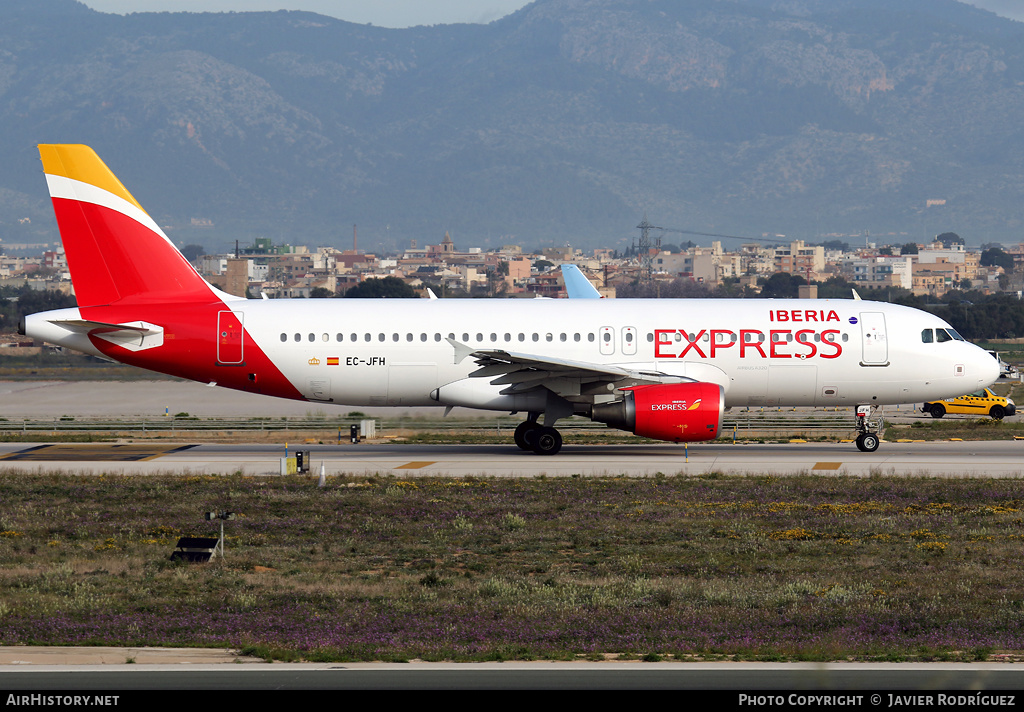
pixel 676 405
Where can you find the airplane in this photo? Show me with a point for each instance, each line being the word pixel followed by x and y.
pixel 662 369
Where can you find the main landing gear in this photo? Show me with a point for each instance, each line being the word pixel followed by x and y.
pixel 531 435
pixel 867 439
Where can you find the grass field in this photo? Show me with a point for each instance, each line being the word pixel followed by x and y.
pixel 759 568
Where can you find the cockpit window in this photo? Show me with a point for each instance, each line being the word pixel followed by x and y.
pixel 942 335
pixel 955 335
pixel 927 337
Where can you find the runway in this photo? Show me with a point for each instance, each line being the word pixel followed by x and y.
pixel 944 459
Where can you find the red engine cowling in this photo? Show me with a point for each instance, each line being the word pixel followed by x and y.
pixel 677 412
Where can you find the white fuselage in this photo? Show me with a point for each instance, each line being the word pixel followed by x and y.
pixel 763 352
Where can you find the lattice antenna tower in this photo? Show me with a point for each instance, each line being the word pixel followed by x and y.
pixel 644 249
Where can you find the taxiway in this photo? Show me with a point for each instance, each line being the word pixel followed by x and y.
pixel 946 459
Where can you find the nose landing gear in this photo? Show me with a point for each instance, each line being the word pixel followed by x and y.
pixel 867 438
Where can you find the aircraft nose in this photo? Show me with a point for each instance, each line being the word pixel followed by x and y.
pixel 985 368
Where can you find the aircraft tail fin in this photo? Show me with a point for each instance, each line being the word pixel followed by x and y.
pixel 115 251
pixel 577 286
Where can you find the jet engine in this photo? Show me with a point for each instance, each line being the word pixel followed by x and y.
pixel 677 412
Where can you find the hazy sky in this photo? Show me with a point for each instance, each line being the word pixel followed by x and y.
pixel 398 13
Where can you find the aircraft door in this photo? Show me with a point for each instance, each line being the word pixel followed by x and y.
pixel 873 339
pixel 230 338
pixel 607 338
pixel 629 340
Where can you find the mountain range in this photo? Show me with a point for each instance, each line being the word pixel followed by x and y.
pixel 564 122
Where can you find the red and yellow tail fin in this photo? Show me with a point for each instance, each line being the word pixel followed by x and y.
pixel 115 251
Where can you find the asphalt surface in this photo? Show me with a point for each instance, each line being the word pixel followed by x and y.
pixel 941 459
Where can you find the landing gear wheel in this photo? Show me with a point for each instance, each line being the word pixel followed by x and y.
pixel 526 433
pixel 867 438
pixel 938 411
pixel 867 442
pixel 547 441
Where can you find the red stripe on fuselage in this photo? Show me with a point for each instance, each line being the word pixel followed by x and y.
pixel 190 347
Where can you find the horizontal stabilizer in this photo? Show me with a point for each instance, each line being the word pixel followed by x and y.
pixel 84 326
pixel 137 336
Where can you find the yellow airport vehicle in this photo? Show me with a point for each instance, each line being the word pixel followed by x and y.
pixel 983 402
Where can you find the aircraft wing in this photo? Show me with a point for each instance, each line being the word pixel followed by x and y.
pixel 522 371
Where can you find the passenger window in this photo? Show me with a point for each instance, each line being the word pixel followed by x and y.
pixel 508 337
pixel 479 337
pixel 380 337
pixel 312 338
pixel 423 337
pixel 650 337
pixel 298 337
pixel 536 337
pixel 408 337
pixel 284 337
pixel 561 337
pixel 465 336
pixel 394 337
pixel 327 337
pixel 522 337
pixel 494 337
pixel 590 338
pixel 576 337
pixel 926 336
pixel 607 337
pixel 548 337
pixel 437 337
pixel 846 337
